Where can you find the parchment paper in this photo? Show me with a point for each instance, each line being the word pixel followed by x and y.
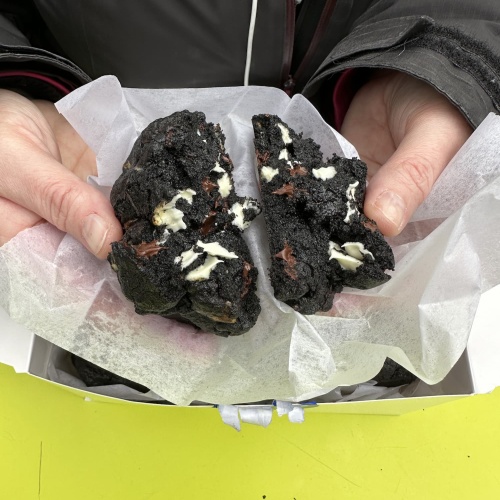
pixel 421 318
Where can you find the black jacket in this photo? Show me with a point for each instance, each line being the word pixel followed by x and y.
pixel 452 44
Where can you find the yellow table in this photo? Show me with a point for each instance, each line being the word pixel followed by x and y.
pixel 55 445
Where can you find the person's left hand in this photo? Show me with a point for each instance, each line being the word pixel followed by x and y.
pixel 406 132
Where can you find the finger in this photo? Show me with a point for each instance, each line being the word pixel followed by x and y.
pixel 45 187
pixel 405 180
pixel 15 219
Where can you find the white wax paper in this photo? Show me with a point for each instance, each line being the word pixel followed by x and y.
pixel 421 318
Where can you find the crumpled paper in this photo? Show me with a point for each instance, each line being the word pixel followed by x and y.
pixel 421 318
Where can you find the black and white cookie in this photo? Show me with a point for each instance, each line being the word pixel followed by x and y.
pixel 182 253
pixel 320 240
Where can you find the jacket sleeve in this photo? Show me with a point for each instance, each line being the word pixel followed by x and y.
pixel 28 69
pixel 452 45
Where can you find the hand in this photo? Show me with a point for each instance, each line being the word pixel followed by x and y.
pixel 43 166
pixel 406 132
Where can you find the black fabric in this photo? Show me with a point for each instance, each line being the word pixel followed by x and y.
pixel 471 56
pixel 10 34
pixel 18 55
pixel 28 24
pixel 319 33
pixel 455 46
pixel 463 69
pixel 179 43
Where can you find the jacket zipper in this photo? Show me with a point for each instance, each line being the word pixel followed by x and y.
pixel 288 40
pixel 326 14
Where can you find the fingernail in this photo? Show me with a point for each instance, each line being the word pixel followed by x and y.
pixel 392 207
pixel 94 231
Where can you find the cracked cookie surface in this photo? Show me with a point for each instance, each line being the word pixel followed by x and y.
pixel 319 238
pixel 182 254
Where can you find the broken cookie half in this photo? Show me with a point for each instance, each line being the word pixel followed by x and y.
pixel 182 254
pixel 319 238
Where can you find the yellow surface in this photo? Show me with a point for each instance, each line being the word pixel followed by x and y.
pixel 54 445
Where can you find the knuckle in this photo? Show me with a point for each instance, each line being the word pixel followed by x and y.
pixel 417 175
pixel 61 201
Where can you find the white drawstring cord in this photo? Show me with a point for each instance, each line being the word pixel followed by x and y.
pixel 251 30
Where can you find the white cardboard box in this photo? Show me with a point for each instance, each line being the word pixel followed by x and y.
pixel 476 372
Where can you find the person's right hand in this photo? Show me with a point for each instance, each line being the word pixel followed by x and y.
pixel 43 167
pixel 406 132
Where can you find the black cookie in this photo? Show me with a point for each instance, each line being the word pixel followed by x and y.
pixel 320 240
pixel 393 374
pixel 182 253
pixel 93 375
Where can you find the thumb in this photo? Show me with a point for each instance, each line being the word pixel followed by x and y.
pixel 405 180
pixel 61 198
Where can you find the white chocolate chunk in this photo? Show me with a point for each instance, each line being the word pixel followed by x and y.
pixel 203 272
pixel 170 217
pixel 350 212
pixel 335 246
pixel 356 250
pixel 223 182
pixel 324 173
pixel 267 173
pixel 186 258
pixel 346 261
pixel 164 238
pixel 239 216
pixel 165 213
pixel 215 249
pixel 285 134
pixel 283 154
pixel 225 185
pixel 187 194
pixel 351 197
pixel 351 191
